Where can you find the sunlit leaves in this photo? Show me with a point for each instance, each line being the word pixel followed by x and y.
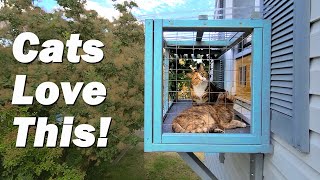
pixel 121 72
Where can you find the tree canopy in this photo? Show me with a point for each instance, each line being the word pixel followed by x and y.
pixel 121 72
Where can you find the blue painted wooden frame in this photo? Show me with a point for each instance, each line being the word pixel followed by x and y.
pixel 258 141
pixel 157 81
pixel 148 84
pixel 199 43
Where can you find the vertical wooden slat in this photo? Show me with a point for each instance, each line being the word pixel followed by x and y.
pixel 301 75
pixel 165 83
pixel 157 80
pixel 257 60
pixel 148 85
pixel 266 79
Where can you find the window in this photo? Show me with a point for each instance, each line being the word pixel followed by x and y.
pixel 242 75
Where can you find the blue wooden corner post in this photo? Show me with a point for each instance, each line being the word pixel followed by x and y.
pixel 148 85
pixel 256 82
pixel 157 81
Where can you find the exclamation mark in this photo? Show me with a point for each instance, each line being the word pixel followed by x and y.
pixel 104 129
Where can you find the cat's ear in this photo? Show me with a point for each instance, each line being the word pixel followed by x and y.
pixel 221 98
pixel 192 68
pixel 189 75
pixel 201 68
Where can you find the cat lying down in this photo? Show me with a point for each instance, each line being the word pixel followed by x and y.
pixel 207 118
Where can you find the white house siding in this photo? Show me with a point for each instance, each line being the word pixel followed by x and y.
pixel 315 67
pixel 228 65
pixel 292 164
pixel 235 166
pixel 285 162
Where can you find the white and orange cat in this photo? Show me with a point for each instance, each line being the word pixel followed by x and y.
pixel 202 90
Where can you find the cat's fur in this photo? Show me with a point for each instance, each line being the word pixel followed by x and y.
pixel 202 90
pixel 208 118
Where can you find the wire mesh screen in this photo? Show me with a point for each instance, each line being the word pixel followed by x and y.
pixel 206 81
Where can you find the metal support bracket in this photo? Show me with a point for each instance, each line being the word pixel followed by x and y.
pixel 256 166
pixel 221 157
pixel 197 165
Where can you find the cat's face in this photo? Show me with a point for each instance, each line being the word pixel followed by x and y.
pixel 198 76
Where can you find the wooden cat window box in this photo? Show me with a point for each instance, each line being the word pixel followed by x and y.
pixel 169 46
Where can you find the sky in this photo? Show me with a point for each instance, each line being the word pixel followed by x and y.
pixel 166 9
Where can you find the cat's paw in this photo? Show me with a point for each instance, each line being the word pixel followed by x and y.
pixel 242 125
pixel 218 130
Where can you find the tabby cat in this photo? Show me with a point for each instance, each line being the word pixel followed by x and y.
pixel 202 90
pixel 208 117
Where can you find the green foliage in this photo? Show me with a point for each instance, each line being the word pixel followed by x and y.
pixel 73 8
pixel 126 27
pixel 121 71
pixel 138 165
